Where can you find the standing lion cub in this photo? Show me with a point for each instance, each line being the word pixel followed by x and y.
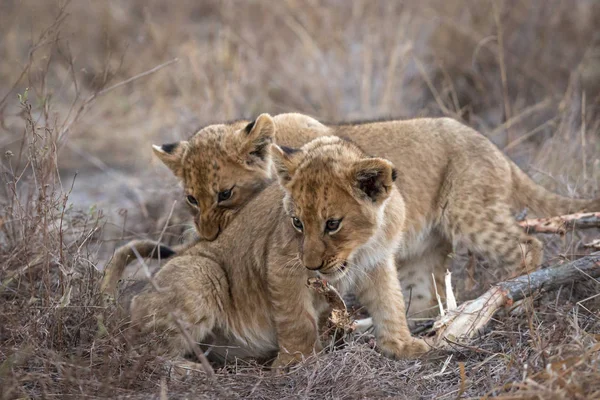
pixel 337 214
pixel 457 187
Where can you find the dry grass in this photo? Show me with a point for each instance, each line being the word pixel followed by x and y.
pixel 525 73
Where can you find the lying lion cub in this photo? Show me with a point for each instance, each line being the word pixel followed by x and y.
pixel 339 216
pixel 457 187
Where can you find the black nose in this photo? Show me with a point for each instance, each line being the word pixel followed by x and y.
pixel 315 268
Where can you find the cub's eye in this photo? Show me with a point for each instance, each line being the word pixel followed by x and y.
pixel 224 195
pixel 332 225
pixel 191 200
pixel 297 224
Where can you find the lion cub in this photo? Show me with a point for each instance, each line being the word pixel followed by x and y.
pixel 457 188
pixel 229 165
pixel 348 218
pixel 338 215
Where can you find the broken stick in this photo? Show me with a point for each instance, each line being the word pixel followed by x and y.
pixel 562 223
pixel 340 323
pixel 472 316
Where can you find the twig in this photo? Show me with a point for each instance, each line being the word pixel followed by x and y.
pixel 562 223
pixel 340 322
pixel 194 346
pixel 434 92
pixel 437 296
pixel 166 224
pixel 503 78
pixel 521 116
pixel 41 41
pixel 102 92
pixel 582 132
pixel 472 316
pixel 145 268
pixel 594 244
pixel 134 78
pixel 450 298
pixel 514 143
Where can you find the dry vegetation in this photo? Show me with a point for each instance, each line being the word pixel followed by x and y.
pixel 526 73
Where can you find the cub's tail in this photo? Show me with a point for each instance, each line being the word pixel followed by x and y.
pixel 544 203
pixel 125 255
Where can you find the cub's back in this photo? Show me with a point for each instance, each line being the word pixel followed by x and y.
pixel 427 152
pixel 295 130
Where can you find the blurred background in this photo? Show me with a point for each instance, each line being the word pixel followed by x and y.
pixel 525 73
pixel 86 86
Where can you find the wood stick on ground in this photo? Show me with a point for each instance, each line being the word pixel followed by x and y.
pixel 340 321
pixel 472 316
pixel 594 244
pixel 562 223
pixel 450 299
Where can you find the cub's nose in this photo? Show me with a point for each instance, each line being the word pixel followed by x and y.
pixel 208 232
pixel 315 268
pixel 211 236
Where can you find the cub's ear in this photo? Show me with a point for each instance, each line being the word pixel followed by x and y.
pixel 256 137
pixel 283 161
pixel 171 155
pixel 374 178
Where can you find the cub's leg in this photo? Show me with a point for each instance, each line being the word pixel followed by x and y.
pixel 193 290
pixel 380 292
pixel 416 280
pixel 295 313
pixel 491 230
pixel 125 255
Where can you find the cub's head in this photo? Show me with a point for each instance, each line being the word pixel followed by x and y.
pixel 221 167
pixel 335 197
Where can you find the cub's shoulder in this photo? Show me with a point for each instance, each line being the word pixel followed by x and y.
pixel 298 121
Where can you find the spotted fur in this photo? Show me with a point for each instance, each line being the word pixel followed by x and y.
pixel 247 288
pixel 457 186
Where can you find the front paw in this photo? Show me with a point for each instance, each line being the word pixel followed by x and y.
pixel 403 349
pixel 284 361
pixel 180 369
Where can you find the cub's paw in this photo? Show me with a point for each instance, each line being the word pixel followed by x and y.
pixel 284 362
pixel 402 349
pixel 180 369
pixel 417 347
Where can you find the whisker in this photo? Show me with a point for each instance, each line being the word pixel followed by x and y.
pixel 358 271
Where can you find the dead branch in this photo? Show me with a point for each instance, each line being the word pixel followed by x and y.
pixel 87 102
pixel 594 244
pixel 472 316
pixel 330 293
pixel 340 323
pixel 450 299
pixel 562 223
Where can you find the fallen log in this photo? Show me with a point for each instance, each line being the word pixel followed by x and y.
pixel 562 223
pixel 472 316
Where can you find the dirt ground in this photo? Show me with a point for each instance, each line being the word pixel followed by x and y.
pixel 87 86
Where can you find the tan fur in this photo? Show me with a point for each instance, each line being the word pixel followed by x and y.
pixel 248 286
pixel 126 254
pixel 458 187
pixel 231 156
pixel 328 180
pixel 218 157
